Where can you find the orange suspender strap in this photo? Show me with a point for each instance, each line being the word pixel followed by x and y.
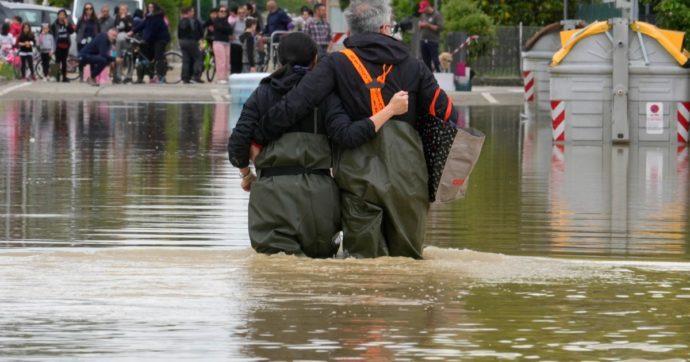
pixel 377 103
pixel 432 106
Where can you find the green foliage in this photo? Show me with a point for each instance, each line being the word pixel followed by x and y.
pixel 467 17
pixel 65 4
pixel 7 71
pixel 529 12
pixel 404 8
pixel 344 4
pixel 293 6
pixel 675 15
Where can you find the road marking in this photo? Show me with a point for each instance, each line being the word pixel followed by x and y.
pixel 489 97
pixel 14 87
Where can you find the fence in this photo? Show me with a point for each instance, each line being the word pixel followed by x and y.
pixel 501 62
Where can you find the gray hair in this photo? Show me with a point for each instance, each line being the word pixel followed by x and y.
pixel 368 15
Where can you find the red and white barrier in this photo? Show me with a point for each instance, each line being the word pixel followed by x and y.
pixel 337 40
pixel 558 120
pixel 528 78
pixel 683 121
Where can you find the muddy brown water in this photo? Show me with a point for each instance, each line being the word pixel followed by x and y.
pixel 123 236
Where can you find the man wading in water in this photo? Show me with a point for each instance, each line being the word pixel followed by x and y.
pixel 383 182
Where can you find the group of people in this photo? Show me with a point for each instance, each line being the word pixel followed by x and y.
pixel 100 41
pixel 236 34
pixel 334 144
pixel 240 38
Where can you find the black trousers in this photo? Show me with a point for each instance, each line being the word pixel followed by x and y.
pixel 156 53
pixel 27 62
pixel 45 64
pixel 81 67
pixel 96 62
pixel 192 60
pixel 430 55
pixel 235 58
pixel 61 59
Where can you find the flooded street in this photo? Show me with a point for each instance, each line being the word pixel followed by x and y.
pixel 123 235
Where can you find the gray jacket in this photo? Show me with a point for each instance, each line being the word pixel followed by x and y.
pixel 46 43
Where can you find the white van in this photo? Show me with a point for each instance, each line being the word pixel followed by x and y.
pixel 78 5
pixel 33 14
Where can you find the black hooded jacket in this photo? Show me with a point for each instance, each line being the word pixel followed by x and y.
pixel 269 92
pixel 335 74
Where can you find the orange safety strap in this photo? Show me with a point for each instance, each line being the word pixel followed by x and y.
pixel 377 103
pixel 432 106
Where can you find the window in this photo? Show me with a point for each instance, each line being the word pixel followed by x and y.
pixel 33 17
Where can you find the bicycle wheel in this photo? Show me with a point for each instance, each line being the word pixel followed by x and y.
pixel 38 70
pixel 127 66
pixel 72 67
pixel 211 70
pixel 173 62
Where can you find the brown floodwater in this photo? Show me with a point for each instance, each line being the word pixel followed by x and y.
pixel 123 236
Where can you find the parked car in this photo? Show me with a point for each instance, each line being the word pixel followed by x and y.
pixel 34 14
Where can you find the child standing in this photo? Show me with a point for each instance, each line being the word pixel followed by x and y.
pixel 46 45
pixel 6 43
pixel 26 42
pixel 16 26
pixel 247 40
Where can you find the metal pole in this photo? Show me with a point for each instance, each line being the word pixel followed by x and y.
pixel 620 132
pixel 565 9
pixel 198 9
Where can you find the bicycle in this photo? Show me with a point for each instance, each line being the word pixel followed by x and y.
pixel 134 59
pixel 72 66
pixel 209 62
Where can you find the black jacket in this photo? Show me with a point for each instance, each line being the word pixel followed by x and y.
pixel 61 33
pixel 123 24
pixel 268 93
pixel 222 30
pixel 100 45
pixel 153 29
pixel 187 32
pixel 335 74
pixel 24 38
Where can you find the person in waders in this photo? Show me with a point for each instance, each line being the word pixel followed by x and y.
pixel 294 203
pixel 383 182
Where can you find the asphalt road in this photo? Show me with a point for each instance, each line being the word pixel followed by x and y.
pixel 480 96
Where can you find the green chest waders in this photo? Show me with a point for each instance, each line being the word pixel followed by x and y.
pixel 384 186
pixel 294 204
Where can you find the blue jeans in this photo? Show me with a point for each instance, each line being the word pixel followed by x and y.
pixel 430 55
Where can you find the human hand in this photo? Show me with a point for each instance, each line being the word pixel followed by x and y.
pixel 422 24
pixel 248 177
pixel 254 151
pixel 399 103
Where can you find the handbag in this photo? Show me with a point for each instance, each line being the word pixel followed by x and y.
pixel 451 154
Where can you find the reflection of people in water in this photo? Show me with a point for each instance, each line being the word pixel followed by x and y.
pixel 294 206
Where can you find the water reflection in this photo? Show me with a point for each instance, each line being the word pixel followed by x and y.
pixel 114 173
pixel 84 173
pixel 148 175
pixel 530 197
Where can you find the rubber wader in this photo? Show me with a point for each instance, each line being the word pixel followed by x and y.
pixel 294 204
pixel 384 185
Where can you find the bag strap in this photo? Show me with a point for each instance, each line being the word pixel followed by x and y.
pixel 375 86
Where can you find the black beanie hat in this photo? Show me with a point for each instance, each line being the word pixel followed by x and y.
pixel 297 49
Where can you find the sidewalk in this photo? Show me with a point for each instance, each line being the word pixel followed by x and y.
pixel 480 96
